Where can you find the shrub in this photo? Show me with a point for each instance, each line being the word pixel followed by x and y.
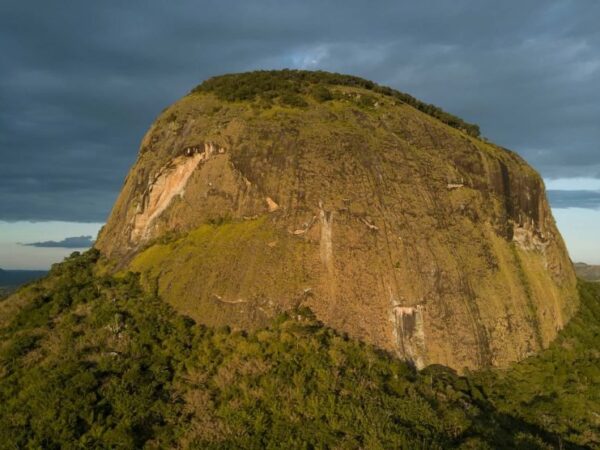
pixel 321 94
pixel 291 99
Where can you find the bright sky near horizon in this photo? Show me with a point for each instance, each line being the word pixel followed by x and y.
pixel 81 82
pixel 15 255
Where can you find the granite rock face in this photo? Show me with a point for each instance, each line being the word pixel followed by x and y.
pixel 390 225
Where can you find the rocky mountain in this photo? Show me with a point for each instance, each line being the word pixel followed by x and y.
pixel 389 218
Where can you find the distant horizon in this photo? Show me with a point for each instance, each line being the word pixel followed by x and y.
pixel 14 255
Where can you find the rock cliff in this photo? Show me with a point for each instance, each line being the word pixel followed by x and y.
pixel 385 216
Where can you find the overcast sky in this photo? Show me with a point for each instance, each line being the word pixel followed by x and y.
pixel 80 82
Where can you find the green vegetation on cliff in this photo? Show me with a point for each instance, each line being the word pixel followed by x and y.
pixel 290 86
pixel 91 360
pixel 559 388
pixel 223 259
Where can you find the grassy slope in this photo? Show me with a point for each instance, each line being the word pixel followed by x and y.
pixel 191 271
pixel 93 361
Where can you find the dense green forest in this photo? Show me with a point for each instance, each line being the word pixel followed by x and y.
pixel 89 360
pixel 292 86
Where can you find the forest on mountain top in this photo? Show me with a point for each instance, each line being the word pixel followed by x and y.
pixel 289 86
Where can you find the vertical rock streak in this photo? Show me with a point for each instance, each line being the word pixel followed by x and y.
pixel 411 334
pixel 326 244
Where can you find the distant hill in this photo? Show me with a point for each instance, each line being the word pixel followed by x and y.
pixel 10 279
pixel 587 272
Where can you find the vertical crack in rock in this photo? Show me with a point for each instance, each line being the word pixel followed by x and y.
pixel 326 245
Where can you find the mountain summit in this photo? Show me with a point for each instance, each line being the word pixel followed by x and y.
pixel 389 218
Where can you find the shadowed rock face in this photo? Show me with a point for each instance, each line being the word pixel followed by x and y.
pixel 390 225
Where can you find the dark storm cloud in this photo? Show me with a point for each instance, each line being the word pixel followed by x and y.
pixel 70 242
pixel 574 199
pixel 81 81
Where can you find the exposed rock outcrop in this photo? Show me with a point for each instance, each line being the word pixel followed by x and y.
pixel 359 204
